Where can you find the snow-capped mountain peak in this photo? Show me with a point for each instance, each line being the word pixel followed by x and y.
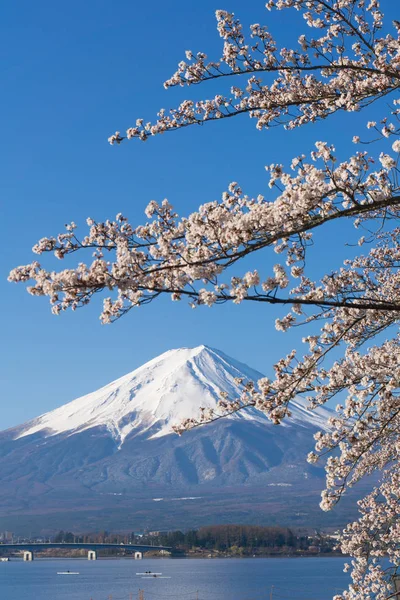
pixel 159 394
pixel 107 459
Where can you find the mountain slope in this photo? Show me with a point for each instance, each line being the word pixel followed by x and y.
pixel 109 459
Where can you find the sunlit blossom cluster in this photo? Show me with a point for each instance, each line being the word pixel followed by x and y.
pixel 346 66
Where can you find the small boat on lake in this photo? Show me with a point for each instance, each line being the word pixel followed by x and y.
pixel 4 559
pixel 67 573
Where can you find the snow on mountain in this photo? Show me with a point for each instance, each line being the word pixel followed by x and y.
pixel 160 394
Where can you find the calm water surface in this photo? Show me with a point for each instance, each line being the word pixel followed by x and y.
pixel 212 579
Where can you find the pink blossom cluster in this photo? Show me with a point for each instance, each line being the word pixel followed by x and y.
pixel 179 255
pixel 345 67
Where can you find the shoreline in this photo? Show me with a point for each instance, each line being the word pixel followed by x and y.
pixel 186 557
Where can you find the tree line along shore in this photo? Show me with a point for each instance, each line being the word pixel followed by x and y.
pixel 209 541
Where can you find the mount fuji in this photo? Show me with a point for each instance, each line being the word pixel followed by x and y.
pixel 109 460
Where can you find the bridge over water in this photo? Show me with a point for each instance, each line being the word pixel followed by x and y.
pixel 29 548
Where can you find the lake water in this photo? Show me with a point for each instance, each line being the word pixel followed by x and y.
pixel 212 579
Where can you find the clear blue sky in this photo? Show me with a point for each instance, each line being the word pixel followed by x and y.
pixel 71 74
